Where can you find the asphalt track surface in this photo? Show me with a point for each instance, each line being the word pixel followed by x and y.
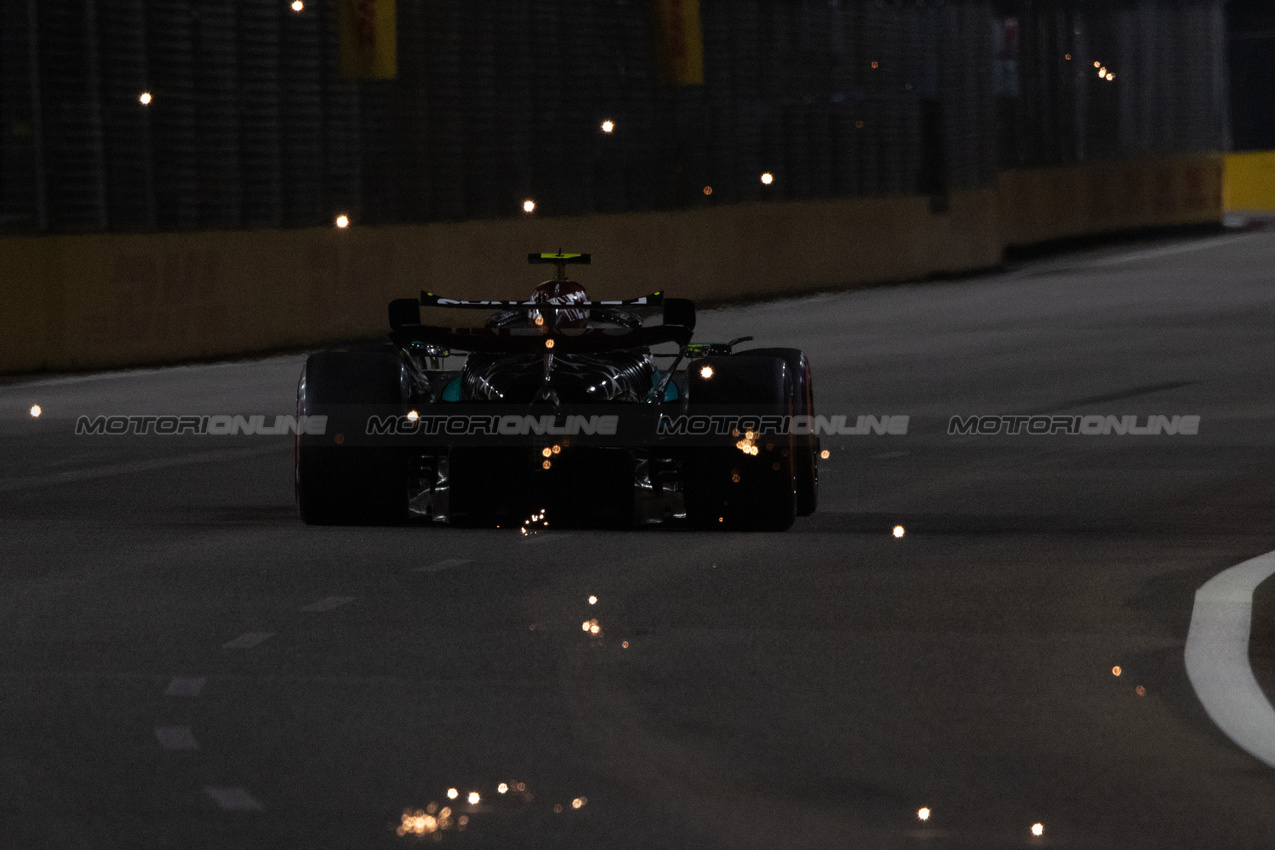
pixel 162 683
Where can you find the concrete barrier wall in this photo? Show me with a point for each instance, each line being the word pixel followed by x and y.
pixel 1046 204
pixel 110 300
pixel 1250 181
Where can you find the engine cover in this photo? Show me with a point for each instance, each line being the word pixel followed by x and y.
pixel 624 376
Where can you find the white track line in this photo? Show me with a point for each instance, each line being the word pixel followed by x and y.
pixel 1217 657
pixel 176 738
pixel 1153 253
pixel 233 799
pixel 327 604
pixel 182 686
pixel 439 566
pixel 248 640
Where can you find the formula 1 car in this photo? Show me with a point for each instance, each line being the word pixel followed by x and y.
pixel 561 410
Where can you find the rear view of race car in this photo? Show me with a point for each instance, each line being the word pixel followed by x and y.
pixel 583 411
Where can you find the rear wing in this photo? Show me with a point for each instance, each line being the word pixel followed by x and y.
pixel 429 299
pixel 405 322
pixel 533 341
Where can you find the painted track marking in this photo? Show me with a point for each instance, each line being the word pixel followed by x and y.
pixel 248 640
pixel 327 604
pixel 1169 251
pixel 1217 657
pixel 184 686
pixel 233 799
pixel 176 738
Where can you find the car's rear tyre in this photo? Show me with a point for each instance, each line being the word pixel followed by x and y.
pixel 805 446
pixel 337 483
pixel 727 487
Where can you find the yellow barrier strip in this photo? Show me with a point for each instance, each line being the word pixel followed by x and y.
pixel 108 300
pixel 1250 181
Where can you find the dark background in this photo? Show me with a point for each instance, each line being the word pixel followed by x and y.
pixel 1252 54
pixel 498 101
